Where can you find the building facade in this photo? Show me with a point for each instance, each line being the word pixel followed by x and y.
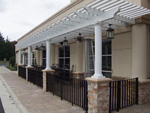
pixel 125 56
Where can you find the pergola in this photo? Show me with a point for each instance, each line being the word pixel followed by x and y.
pixel 91 19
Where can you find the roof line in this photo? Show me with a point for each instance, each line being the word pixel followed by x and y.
pixel 61 11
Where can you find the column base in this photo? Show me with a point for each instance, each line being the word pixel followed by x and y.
pixel 29 66
pixel 98 76
pixel 48 69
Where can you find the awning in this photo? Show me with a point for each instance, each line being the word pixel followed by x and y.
pixel 104 12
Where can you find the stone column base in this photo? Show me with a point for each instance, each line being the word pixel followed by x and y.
pixel 44 78
pixel 77 75
pixel 98 95
pixel 27 72
pixel 144 91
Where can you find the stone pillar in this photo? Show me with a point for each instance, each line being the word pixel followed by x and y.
pixel 98 95
pixel 29 56
pixel 44 78
pixel 139 51
pixel 19 57
pixel 27 73
pixel 144 91
pixel 48 55
pixel 98 52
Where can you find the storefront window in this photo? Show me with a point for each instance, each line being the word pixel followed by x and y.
pixel 106 58
pixel 34 58
pixel 64 57
pixel 21 58
pixel 44 59
pixel 25 58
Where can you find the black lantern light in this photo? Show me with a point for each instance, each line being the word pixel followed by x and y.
pixel 42 47
pixel 110 32
pixel 65 42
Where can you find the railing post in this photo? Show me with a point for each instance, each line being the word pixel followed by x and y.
pixel 61 91
pixel 118 94
pixel 110 97
pixel 72 91
pixel 137 91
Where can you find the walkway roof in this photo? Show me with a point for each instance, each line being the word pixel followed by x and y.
pixel 104 12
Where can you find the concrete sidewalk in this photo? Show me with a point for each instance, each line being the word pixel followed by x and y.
pixel 7 104
pixel 33 98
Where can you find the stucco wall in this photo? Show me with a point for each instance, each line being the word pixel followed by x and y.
pixel 17 57
pixel 73 56
pixel 137 2
pixel 144 3
pixel 122 55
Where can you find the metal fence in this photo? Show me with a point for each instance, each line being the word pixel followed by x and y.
pixel 36 77
pixel 123 93
pixel 22 72
pixel 70 89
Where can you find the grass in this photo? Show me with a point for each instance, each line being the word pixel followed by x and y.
pixel 3 62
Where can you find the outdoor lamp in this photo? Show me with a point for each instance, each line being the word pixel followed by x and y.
pixel 110 32
pixel 65 42
pixel 42 47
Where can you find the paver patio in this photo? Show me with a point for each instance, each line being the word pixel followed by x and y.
pixel 34 99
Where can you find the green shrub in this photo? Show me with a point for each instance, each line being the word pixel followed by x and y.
pixel 12 61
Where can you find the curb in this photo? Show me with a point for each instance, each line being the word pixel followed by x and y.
pixel 14 97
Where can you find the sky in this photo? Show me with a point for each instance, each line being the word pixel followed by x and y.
pixel 17 17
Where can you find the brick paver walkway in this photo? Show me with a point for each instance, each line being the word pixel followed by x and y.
pixel 34 99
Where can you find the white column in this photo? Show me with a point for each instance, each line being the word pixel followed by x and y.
pixel 98 52
pixel 19 57
pixel 29 56
pixel 48 55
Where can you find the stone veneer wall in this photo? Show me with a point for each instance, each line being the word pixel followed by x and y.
pixel 44 81
pixel 77 75
pixel 144 92
pixel 98 95
pixel 44 78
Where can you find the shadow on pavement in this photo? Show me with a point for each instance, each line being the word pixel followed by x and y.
pixel 1 107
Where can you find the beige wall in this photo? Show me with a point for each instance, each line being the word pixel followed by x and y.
pixel 17 57
pixel 73 56
pixel 137 2
pixel 52 57
pixel 140 51
pixel 145 3
pixel 122 55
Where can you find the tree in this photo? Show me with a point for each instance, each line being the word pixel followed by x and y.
pixel 2 48
pixel 6 48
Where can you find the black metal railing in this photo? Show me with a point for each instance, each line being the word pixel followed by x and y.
pixel 22 72
pixel 36 77
pixel 70 89
pixel 123 93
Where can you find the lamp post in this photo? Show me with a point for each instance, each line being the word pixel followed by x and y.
pixel 110 32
